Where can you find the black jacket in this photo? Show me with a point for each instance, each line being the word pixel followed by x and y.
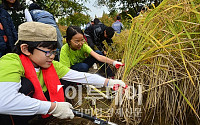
pixel 96 32
pixel 9 31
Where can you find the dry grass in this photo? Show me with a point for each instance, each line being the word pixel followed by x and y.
pixel 161 55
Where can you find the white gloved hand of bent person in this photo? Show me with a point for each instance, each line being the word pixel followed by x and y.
pixel 115 82
pixel 117 64
pixel 62 110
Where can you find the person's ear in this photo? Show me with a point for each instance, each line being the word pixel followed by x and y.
pixel 24 49
pixel 69 42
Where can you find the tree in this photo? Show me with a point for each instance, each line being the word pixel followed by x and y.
pixel 107 19
pixel 62 8
pixel 69 12
pixel 77 19
pixel 127 6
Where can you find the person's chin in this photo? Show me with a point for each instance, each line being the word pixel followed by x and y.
pixel 46 65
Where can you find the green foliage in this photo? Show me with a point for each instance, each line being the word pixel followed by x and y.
pixel 62 30
pixel 109 19
pixel 113 14
pixel 62 8
pixel 77 19
pixel 70 12
pixel 127 6
pixel 106 19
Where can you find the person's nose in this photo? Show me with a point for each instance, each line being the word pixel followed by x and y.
pixel 52 56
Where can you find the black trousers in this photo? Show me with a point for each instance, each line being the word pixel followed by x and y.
pixel 27 89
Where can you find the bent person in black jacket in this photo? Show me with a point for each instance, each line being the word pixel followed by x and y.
pixel 97 33
pixel 8 33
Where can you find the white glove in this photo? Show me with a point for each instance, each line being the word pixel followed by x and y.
pixel 62 110
pixel 113 82
pixel 117 64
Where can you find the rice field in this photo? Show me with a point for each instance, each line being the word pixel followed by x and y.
pixel 161 52
pixel 162 61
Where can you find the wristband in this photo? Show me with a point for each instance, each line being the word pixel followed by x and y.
pixel 53 109
pixel 114 63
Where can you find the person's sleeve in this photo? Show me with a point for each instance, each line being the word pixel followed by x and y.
pixel 113 25
pixel 87 48
pixel 122 26
pixel 14 103
pixel 14 31
pixel 12 28
pixel 97 35
pixel 11 101
pixel 28 16
pixel 64 58
pixel 87 31
pixel 85 78
pixel 61 69
pixel 109 41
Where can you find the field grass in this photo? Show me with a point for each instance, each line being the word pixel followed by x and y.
pixel 161 56
pixel 162 61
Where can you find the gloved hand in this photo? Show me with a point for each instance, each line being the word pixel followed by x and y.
pixel 112 83
pixel 117 64
pixel 62 110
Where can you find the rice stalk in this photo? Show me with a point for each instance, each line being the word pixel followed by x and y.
pixel 161 53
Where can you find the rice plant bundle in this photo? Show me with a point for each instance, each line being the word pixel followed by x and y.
pixel 162 59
